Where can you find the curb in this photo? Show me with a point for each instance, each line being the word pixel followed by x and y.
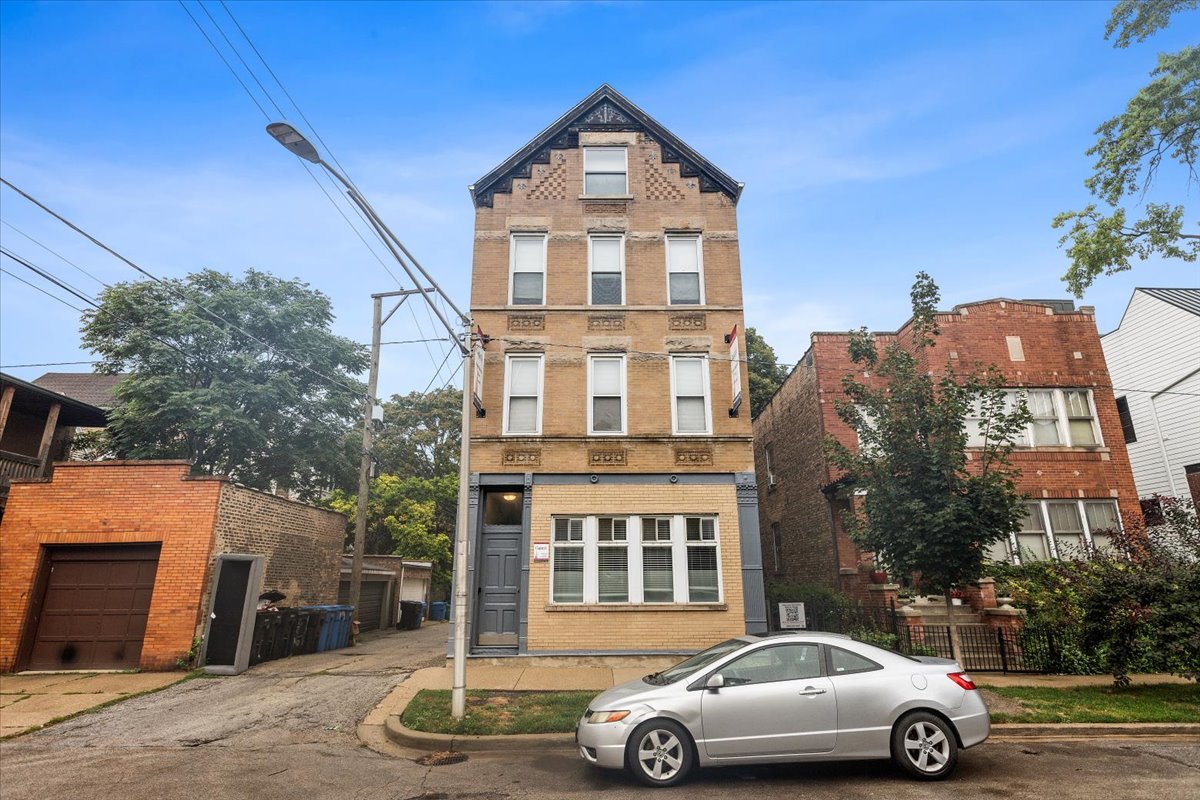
pixel 407 737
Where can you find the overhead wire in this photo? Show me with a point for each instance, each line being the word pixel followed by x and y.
pixel 54 253
pixel 46 275
pixel 51 295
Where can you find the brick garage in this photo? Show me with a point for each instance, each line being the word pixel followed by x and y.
pixel 1037 345
pixel 148 510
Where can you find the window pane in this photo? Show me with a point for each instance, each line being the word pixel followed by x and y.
pixel 657 581
pixel 1082 432
pixel 568 575
pixel 690 415
pixel 685 288
pixel 683 254
pixel 527 288
pixel 606 255
pixel 523 376
pixel 702 574
pixel 1045 431
pixel 1102 516
pixel 1032 521
pixel 601 184
pixel 656 530
pixel 1077 404
pixel 1041 404
pixel 606 376
pixel 997 551
pixel 844 662
pixel 604 159
pixel 527 253
pixel 1064 518
pixel 1070 546
pixel 503 508
pixel 612 529
pixel 568 530
pixel 613 575
pixel 700 529
pixel 522 415
pixel 791 662
pixel 606 288
pixel 689 377
pixel 606 414
pixel 1032 547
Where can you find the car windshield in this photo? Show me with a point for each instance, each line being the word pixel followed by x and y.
pixel 696 662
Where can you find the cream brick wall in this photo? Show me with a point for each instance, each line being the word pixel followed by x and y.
pixel 641 627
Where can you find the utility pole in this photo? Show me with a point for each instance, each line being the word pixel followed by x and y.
pixel 295 143
pixel 364 464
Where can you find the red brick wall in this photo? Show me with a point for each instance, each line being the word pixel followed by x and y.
pixel 974 336
pixel 106 503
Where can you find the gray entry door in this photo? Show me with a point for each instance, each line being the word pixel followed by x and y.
pixel 499 586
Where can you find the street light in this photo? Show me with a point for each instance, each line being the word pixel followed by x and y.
pixel 298 145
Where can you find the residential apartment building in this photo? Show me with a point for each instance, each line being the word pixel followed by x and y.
pixel 1154 359
pixel 613 506
pixel 1072 456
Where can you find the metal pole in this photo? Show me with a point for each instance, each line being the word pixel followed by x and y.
pixel 458 694
pixel 364 466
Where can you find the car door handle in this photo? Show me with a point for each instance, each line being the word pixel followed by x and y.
pixel 810 691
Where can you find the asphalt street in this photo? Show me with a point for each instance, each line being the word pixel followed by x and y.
pixel 287 730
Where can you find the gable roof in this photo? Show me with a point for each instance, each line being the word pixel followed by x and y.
pixel 605 109
pixel 93 388
pixel 1186 299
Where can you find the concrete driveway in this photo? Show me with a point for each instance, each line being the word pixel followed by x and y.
pixel 32 700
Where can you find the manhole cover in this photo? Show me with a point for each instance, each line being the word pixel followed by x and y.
pixel 442 758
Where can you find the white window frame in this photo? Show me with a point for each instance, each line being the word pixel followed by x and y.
pixel 769 459
pixel 679 566
pixel 555 545
pixel 1043 507
pixel 512 265
pixel 592 238
pixel 1061 421
pixel 586 171
pixel 592 358
pixel 541 394
pixel 698 238
pixel 708 420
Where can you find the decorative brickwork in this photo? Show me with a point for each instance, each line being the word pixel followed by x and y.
pixel 550 181
pixel 606 322
pixel 526 322
pixel 694 457
pixel 606 458
pixel 687 322
pixel 522 458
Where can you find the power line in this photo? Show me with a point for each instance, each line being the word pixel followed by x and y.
pixel 429 385
pixel 59 282
pixel 40 289
pixel 53 252
pixel 46 363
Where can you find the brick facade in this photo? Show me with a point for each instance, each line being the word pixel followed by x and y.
pixel 667 194
pixel 1058 348
pixel 193 519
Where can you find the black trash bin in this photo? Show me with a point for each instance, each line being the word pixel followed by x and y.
pixel 313 618
pixel 411 612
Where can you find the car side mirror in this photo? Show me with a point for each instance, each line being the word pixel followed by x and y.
pixel 715 681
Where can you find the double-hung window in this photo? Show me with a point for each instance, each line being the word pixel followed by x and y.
pixel 523 395
pixel 685 269
pixel 1058 417
pixel 1031 539
pixel 1080 419
pixel 605 171
pixel 689 393
pixel 606 264
pixel 527 263
pixel 567 584
pixel 606 391
pixel 1045 417
pixel 628 558
pixel 1066 529
pixel 1102 522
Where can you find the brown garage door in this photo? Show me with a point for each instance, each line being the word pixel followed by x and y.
pixel 93 614
pixel 370 602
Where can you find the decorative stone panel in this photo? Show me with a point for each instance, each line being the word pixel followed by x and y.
pixel 694 457
pixel 687 322
pixel 606 209
pixel 607 458
pixel 550 181
pixel 522 458
pixel 526 322
pixel 606 322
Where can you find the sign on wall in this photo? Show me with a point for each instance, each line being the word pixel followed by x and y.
pixel 477 359
pixel 541 551
pixel 791 615
pixel 735 371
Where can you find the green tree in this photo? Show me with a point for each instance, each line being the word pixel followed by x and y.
pixel 421 434
pixel 201 390
pixel 1159 126
pixel 925 507
pixel 766 373
pixel 406 516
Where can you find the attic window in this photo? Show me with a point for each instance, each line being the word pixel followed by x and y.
pixel 605 171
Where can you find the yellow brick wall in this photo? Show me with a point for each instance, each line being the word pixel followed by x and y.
pixel 634 627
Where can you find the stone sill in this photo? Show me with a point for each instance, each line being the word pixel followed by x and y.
pixel 602 607
pixel 615 199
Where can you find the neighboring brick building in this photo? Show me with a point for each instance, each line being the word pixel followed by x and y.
pixel 1073 460
pixel 109 564
pixel 613 505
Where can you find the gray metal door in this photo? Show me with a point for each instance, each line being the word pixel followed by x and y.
pixel 499 586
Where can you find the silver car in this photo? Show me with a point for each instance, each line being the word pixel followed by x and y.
pixel 786 697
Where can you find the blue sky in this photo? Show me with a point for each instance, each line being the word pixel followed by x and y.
pixel 875 140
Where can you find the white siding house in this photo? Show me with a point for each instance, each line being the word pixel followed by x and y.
pixel 1154 359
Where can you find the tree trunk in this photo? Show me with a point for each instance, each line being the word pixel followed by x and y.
pixel 955 645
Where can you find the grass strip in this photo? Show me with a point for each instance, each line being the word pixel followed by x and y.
pixel 497 712
pixel 1162 702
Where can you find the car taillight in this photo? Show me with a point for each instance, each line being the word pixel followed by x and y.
pixel 962 679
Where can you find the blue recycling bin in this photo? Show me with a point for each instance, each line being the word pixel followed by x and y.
pixel 437 610
pixel 335 627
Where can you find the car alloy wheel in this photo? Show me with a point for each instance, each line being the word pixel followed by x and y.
pixel 660 753
pixel 924 746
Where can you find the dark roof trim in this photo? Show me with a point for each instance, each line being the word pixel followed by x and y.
pixel 1186 299
pixel 605 109
pixel 73 412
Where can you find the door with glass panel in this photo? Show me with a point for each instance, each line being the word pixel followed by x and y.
pixel 498 591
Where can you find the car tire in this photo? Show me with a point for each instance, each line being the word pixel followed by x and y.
pixel 924 746
pixel 660 753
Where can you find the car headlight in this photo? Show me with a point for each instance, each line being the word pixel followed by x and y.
pixel 599 717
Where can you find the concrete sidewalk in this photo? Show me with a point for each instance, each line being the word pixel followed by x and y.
pixel 31 700
pixel 383 723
